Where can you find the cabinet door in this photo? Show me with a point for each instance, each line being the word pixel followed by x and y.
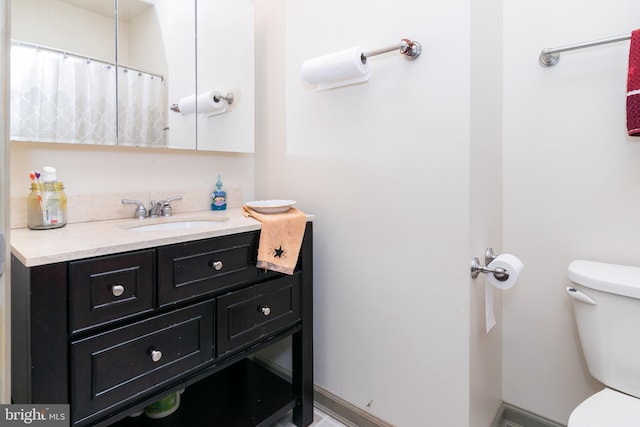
pixel 227 71
pixel 63 82
pixel 247 315
pixel 120 365
pixel 110 288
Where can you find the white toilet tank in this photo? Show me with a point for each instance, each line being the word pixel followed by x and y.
pixel 606 301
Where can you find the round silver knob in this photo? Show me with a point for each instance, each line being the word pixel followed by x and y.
pixel 265 310
pixel 117 290
pixel 156 355
pixel 217 265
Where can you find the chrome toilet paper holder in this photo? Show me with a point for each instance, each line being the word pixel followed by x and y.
pixel 476 268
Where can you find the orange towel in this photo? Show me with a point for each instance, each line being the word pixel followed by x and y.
pixel 280 238
pixel 633 86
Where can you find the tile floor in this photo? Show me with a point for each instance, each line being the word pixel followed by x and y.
pixel 320 419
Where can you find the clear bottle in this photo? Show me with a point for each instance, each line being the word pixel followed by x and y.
pixel 47 203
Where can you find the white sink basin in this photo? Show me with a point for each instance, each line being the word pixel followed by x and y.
pixel 178 225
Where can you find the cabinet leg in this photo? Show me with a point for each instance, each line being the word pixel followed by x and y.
pixel 302 341
pixel 302 354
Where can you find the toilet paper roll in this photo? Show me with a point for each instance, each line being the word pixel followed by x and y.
pixel 207 103
pixel 513 266
pixel 337 69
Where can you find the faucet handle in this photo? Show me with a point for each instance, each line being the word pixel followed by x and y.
pixel 173 199
pixel 166 205
pixel 140 212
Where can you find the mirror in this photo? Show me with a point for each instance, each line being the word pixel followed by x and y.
pixel 58 96
pixel 142 70
pixel 153 43
pixel 226 65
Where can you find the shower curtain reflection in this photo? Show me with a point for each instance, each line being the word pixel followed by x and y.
pixel 60 97
pixel 142 109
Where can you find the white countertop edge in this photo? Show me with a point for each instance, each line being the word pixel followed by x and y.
pixel 88 239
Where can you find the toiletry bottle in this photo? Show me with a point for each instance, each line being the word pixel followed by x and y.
pixel 47 203
pixel 219 197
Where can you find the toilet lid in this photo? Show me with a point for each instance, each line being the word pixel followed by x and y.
pixel 607 408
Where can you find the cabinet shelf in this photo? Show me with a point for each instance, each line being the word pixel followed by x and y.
pixel 243 395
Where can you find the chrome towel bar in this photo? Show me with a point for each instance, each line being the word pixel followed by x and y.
pixel 551 56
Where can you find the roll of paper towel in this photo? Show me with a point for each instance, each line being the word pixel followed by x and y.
pixel 337 69
pixel 207 103
pixel 513 266
pixel 187 105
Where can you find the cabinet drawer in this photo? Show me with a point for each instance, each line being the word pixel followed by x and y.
pixel 118 365
pixel 109 288
pixel 245 316
pixel 198 268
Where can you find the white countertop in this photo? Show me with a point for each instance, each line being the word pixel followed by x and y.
pixel 89 239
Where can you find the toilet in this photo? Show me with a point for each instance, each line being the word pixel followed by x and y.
pixel 606 302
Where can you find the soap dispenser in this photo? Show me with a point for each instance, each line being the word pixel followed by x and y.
pixel 219 197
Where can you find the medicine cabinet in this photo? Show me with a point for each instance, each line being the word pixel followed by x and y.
pixel 106 72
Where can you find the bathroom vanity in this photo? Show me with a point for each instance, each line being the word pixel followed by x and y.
pixel 110 320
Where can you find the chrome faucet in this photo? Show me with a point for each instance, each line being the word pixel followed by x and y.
pixel 162 207
pixel 140 212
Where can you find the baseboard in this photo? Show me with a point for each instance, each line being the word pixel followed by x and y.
pixel 512 416
pixel 344 411
pixel 508 415
pixel 328 402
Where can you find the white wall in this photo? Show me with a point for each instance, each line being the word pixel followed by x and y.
pixel 85 33
pixel 485 165
pixel 570 186
pixel 94 170
pixel 385 166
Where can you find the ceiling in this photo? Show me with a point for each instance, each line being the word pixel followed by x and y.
pixel 126 9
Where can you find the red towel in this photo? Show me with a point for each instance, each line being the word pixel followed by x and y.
pixel 633 86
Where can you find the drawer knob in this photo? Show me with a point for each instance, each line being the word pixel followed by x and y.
pixel 156 355
pixel 117 290
pixel 217 265
pixel 265 310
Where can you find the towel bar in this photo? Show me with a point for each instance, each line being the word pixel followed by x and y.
pixel 551 56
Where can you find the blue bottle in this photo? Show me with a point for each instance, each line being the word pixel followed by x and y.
pixel 219 197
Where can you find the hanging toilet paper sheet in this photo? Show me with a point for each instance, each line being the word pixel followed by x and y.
pixel 513 266
pixel 209 103
pixel 337 69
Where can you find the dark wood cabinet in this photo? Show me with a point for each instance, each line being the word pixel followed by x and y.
pixel 111 334
pixel 193 269
pixel 110 288
pixel 247 315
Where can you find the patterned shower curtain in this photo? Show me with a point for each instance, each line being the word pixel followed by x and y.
pixel 58 97
pixel 142 109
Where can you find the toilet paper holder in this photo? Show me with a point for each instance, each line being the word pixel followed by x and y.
pixel 476 268
pixel 217 98
pixel 229 98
